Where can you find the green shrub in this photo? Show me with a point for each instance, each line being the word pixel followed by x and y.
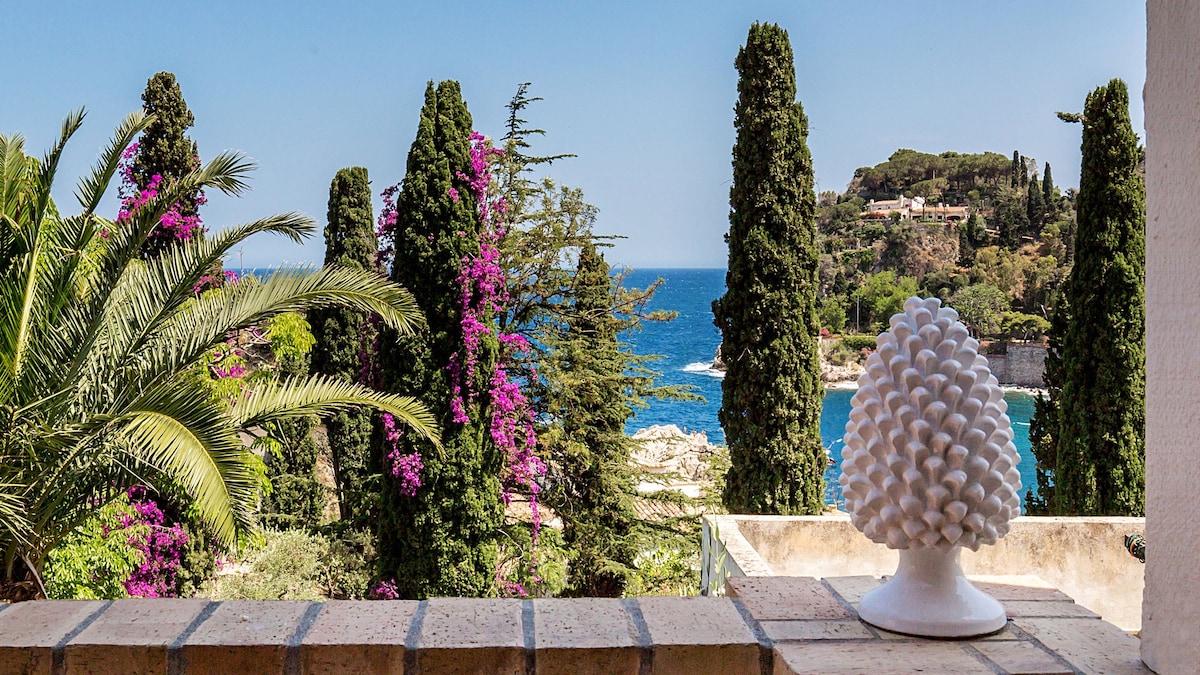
pixel 668 569
pixel 296 565
pixel 858 342
pixel 94 561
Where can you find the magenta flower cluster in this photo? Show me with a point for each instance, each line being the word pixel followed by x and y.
pixel 483 294
pixel 208 281
pixel 235 367
pixel 383 590
pixel 385 229
pixel 161 548
pixel 405 466
pixel 171 224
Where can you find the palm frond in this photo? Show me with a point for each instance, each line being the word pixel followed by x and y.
pixel 199 325
pixel 183 433
pixel 91 189
pixel 321 395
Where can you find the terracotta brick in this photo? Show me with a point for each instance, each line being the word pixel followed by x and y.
pixel 785 598
pixel 698 636
pixel 1091 645
pixel 358 637
pixel 816 630
pixel 878 656
pixel 463 635
pixel 243 636
pixel 132 636
pixel 585 636
pixel 852 588
pixel 30 630
pixel 1016 608
pixel 1022 658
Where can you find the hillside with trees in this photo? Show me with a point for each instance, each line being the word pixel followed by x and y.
pixel 987 233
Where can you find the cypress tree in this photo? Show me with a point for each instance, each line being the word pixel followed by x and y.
pixel 345 339
pixel 1017 170
pixel 771 405
pixel 297 499
pixel 164 148
pixel 1048 200
pixel 442 540
pixel 1099 437
pixel 1035 208
pixel 594 497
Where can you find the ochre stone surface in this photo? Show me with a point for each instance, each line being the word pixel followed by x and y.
pixel 816 630
pixel 699 635
pixel 131 637
pixel 874 658
pixel 30 630
pixel 358 637
pixel 1090 645
pixel 785 598
pixel 243 636
pixel 584 636
pixel 1022 658
pixel 462 635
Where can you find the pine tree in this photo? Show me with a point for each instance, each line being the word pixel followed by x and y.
pixel 345 339
pixel 164 149
pixel 442 540
pixel 590 449
pixel 772 391
pixel 1099 434
pixel 587 383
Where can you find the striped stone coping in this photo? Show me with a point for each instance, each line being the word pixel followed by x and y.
pixel 763 625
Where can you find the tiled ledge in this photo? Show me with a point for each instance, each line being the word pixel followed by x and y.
pixel 766 625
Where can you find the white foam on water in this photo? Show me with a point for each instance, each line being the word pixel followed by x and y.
pixel 704 368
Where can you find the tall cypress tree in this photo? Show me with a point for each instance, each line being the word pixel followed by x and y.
pixel 297 499
pixel 1017 171
pixel 1035 208
pixel 1048 200
pixel 442 540
pixel 594 496
pixel 346 338
pixel 1099 430
pixel 165 149
pixel 772 391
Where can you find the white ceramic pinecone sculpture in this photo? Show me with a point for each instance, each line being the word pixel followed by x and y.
pixel 929 460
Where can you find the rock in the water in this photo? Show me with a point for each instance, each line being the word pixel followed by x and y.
pixel 718 362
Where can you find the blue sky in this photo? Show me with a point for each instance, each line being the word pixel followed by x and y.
pixel 642 91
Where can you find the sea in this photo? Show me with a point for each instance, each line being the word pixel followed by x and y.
pixel 687 344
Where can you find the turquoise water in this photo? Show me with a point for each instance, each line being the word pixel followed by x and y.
pixel 687 345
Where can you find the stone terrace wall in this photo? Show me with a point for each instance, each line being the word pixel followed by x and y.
pixel 1023 365
pixel 774 625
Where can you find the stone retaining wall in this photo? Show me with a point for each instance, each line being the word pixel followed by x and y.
pixel 1023 366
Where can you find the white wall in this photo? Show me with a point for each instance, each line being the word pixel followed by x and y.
pixel 1171 605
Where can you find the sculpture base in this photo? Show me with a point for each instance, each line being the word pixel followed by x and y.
pixel 930 597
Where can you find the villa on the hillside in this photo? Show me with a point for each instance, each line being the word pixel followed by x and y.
pixel 913 209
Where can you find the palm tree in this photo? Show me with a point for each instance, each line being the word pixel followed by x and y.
pixel 96 346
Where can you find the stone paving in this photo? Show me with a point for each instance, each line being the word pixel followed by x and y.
pixel 769 625
pixel 813 627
